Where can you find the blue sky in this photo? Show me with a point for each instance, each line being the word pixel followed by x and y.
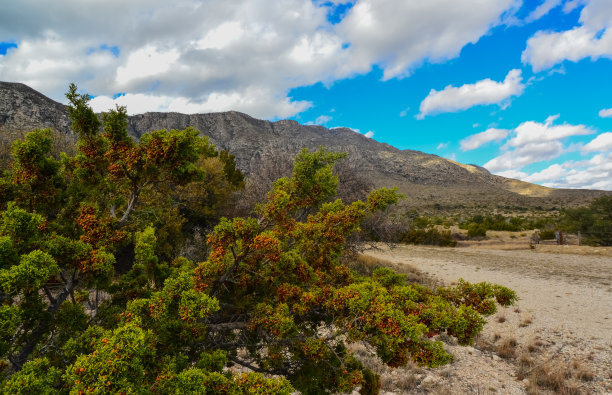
pixel 519 87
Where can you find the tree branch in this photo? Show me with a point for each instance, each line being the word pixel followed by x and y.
pixel 247 365
pixel 228 326
pixel 49 295
pixel 40 330
pixel 224 278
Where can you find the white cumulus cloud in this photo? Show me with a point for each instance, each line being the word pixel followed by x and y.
pixel 552 172
pixel 483 92
pixel 476 140
pixel 533 142
pixel 603 142
pixel 532 132
pixel 186 55
pixel 323 119
pixel 605 113
pixel 320 120
pixel 397 35
pixel 592 39
pixel 542 10
pixel 146 62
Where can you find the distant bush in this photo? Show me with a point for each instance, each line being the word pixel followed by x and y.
pixel 495 222
pixel 477 230
pixel 431 236
pixel 547 234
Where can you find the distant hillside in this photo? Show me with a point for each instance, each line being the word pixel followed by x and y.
pixel 425 179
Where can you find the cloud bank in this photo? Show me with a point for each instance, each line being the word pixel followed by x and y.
pixel 245 55
pixel 534 142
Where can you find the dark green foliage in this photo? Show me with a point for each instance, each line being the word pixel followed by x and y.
pixel 84 121
pixel 36 377
pixel 476 230
pixel 431 236
pixel 593 222
pixel 371 383
pixel 232 174
pixel 35 173
pixel 503 223
pixel 115 125
pixel 547 234
pixel 388 277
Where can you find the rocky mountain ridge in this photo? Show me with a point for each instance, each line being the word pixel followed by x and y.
pixel 425 179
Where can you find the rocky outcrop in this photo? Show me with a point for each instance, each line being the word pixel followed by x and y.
pixel 23 108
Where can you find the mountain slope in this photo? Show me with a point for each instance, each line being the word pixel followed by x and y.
pixel 425 179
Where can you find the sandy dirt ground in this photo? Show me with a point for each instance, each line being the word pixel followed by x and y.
pixel 565 307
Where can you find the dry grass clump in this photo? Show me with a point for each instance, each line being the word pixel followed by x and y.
pixel 405 383
pixel 561 377
pixel 482 344
pixel 501 318
pixel 551 376
pixel 447 339
pixel 444 389
pixel 549 373
pixel 535 345
pixel 526 321
pixel 507 348
pixel 364 264
pixel 525 365
pixel 581 371
pixel 404 379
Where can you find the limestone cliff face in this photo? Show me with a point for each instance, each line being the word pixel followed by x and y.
pixel 23 108
pixel 423 177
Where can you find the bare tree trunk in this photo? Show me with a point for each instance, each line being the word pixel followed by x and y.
pixel 130 207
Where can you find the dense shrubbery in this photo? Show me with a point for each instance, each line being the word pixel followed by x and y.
pixel 593 222
pixel 430 236
pixel 476 230
pixel 494 222
pixel 96 297
pixel 425 230
pixel 478 225
pixel 547 235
